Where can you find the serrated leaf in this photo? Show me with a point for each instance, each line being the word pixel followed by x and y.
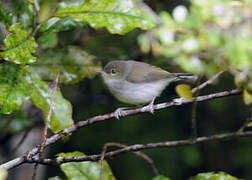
pixel 247 97
pixel 19 46
pixel 14 90
pixel 118 16
pixel 213 176
pixel 72 62
pixel 41 96
pixel 184 91
pixel 161 177
pixel 84 170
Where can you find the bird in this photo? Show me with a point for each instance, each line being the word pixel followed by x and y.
pixel 138 83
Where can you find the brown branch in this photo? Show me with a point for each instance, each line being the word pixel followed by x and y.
pixel 175 102
pixel 139 154
pixel 138 147
pixel 45 130
pixel 209 81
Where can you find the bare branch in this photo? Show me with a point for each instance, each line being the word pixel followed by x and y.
pixel 139 154
pixel 100 118
pixel 138 147
pixel 209 81
pixel 45 130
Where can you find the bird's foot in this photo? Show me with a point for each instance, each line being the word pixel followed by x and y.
pixel 120 112
pixel 178 101
pixel 150 107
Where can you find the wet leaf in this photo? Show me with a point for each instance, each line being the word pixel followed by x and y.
pixel 84 170
pixel 72 62
pixel 14 89
pixel 19 46
pixel 184 91
pixel 41 96
pixel 118 16
pixel 57 24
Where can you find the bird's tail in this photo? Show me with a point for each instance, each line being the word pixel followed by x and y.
pixel 186 77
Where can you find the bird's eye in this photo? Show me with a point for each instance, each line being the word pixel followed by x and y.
pixel 113 71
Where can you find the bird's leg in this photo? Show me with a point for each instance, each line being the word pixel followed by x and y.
pixel 120 112
pixel 150 107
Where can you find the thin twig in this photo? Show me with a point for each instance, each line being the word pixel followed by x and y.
pixel 139 154
pixel 34 18
pixel 245 124
pixel 138 147
pixel 45 130
pixel 194 90
pixel 100 118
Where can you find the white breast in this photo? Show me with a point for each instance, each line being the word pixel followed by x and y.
pixel 136 93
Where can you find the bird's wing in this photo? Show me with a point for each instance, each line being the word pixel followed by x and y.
pixel 142 72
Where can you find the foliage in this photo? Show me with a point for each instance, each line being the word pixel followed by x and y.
pixel 204 39
pixel 22 82
pixel 184 90
pixel 84 170
pixel 19 46
pixel 39 39
pixel 213 176
pixel 118 16
pixel 160 178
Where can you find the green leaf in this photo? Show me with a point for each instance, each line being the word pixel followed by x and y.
pixel 73 63
pixel 23 10
pixel 19 46
pixel 213 176
pixel 184 91
pixel 49 40
pixel 56 24
pixel 55 178
pixel 161 177
pixel 247 97
pixel 41 96
pixel 118 16
pixel 84 170
pixel 14 89
pixel 3 174
pixel 5 17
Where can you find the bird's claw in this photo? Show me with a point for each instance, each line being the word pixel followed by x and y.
pixel 119 112
pixel 178 101
pixel 150 108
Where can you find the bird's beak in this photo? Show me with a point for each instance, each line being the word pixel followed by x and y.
pixel 100 71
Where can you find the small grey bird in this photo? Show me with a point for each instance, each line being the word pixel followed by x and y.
pixel 137 83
